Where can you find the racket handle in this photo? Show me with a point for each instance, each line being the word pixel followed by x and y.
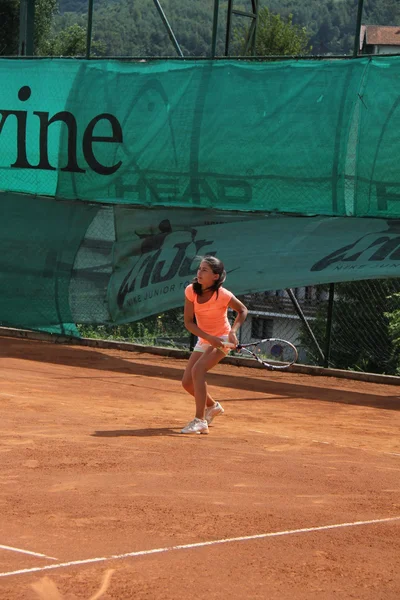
pixel 229 345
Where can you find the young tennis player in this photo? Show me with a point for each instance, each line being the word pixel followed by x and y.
pixel 207 302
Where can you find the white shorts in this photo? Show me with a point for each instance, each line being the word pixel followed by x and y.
pixel 203 346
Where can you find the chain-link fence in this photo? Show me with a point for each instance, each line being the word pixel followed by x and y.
pixel 359 333
pixel 166 330
pixel 362 333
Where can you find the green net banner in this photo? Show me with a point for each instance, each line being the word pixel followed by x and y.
pixel 68 262
pixel 39 242
pixel 154 257
pixel 299 137
pixel 115 176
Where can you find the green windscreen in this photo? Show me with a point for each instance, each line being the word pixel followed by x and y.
pixel 66 262
pixel 116 176
pixel 297 137
pixel 39 241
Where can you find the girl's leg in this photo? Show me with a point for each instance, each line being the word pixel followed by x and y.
pixel 187 379
pixel 207 361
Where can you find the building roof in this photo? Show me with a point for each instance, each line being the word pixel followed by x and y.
pixel 375 35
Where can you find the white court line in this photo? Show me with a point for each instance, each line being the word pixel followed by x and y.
pixel 198 545
pixel 12 549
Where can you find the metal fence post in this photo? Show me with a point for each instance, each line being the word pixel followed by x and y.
pixel 26 27
pixel 89 29
pixel 168 28
pixel 358 28
pixel 228 27
pixel 215 29
pixel 328 335
pixel 305 323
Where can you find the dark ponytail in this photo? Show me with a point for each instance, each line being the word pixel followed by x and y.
pixel 217 267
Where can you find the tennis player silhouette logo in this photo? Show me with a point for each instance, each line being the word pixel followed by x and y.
pixel 163 257
pixel 148 134
pixel 380 246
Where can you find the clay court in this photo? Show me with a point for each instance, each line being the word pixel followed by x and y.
pixel 294 494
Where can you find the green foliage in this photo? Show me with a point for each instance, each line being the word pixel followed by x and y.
pixel 393 318
pixel 71 42
pixel 135 28
pixel 165 329
pixel 9 27
pixel 9 24
pixel 123 27
pixel 278 36
pixel 331 24
pixel 394 321
pixel 44 15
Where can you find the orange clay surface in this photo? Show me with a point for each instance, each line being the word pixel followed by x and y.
pixel 93 467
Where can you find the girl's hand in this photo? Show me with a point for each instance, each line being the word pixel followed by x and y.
pixel 215 342
pixel 232 339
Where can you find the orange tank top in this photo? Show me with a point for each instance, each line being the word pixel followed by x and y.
pixel 211 316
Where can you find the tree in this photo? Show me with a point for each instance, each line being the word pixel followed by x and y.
pixel 278 36
pixel 71 42
pixel 44 16
pixel 382 12
pixel 9 27
pixel 135 28
pixel 393 317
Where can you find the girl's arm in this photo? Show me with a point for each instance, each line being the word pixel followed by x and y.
pixel 241 310
pixel 193 328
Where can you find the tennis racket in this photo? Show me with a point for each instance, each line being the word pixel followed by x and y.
pixel 273 353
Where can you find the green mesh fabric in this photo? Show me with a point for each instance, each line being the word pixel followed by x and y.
pixel 66 262
pixel 39 240
pixel 297 137
pixel 116 176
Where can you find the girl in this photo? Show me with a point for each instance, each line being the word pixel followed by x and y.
pixel 208 301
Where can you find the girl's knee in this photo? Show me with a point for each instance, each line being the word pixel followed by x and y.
pixel 187 383
pixel 198 370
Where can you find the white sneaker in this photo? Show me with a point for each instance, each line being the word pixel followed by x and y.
pixel 196 426
pixel 213 411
